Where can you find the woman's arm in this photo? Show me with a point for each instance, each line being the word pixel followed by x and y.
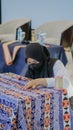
pixel 60 70
pixel 36 82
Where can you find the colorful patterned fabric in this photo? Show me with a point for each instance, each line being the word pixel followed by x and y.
pixel 36 109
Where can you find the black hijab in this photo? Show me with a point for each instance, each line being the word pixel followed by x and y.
pixel 40 53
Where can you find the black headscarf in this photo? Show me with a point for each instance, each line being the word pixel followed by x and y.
pixel 40 53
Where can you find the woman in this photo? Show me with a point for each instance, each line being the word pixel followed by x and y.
pixel 44 69
pixel 40 65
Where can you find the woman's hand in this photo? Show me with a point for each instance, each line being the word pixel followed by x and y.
pixel 36 83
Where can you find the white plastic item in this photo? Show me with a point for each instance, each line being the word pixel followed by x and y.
pixel 42 38
pixel 22 36
pixel 59 82
pixel 19 34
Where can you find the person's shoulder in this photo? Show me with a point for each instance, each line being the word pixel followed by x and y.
pixel 59 63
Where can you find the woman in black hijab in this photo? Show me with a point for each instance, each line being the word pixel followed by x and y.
pixel 40 65
pixel 43 69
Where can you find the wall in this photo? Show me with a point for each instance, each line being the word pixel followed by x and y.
pixel 40 11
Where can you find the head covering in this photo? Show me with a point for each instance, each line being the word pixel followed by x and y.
pixel 36 51
pixel 41 54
